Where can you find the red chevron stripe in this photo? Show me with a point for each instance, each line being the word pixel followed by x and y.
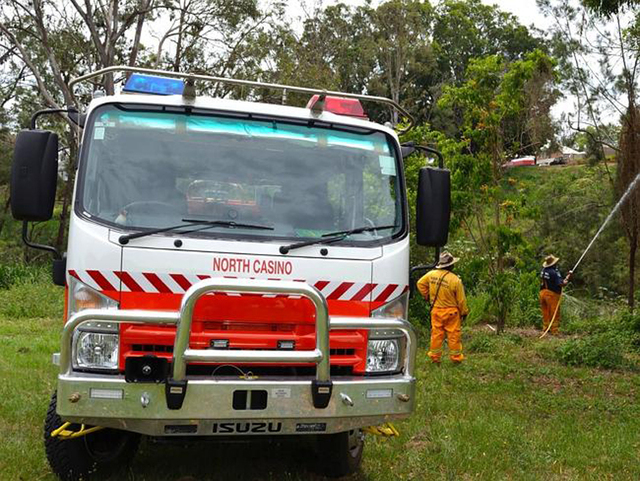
pixel 101 280
pixel 342 288
pixel 181 280
pixel 386 293
pixel 364 292
pixel 157 282
pixel 129 281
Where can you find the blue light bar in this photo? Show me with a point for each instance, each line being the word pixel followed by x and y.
pixel 150 84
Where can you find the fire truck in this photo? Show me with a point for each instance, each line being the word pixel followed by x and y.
pixel 234 269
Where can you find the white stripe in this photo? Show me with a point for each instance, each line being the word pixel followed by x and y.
pixel 329 288
pixel 378 290
pixel 395 293
pixel 85 278
pixel 112 278
pixel 192 278
pixel 142 281
pixel 352 291
pixel 170 283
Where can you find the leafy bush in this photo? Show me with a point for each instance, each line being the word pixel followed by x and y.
pixel 16 274
pixel 525 308
pixel 478 308
pixel 605 349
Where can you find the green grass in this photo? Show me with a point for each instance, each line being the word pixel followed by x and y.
pixel 510 412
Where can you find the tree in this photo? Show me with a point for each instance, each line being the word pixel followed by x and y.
pixel 50 42
pixel 599 34
pixel 467 30
pixel 499 112
pixel 401 34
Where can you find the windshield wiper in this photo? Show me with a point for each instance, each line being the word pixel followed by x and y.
pixel 333 237
pixel 124 239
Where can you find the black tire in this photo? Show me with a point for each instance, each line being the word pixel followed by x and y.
pixel 340 454
pixel 104 451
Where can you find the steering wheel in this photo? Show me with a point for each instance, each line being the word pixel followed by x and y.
pixel 371 224
pixel 139 210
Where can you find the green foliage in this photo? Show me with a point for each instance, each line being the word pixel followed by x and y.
pixel 607 8
pixel 605 349
pixel 27 292
pixel 15 274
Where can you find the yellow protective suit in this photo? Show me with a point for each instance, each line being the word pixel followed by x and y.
pixel 448 308
pixel 548 304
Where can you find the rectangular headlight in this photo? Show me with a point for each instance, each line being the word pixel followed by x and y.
pixel 383 355
pixel 95 350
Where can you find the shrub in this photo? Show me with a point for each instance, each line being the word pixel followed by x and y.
pixel 479 308
pixel 16 274
pixel 605 349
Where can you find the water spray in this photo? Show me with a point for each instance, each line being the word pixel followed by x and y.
pixel 613 212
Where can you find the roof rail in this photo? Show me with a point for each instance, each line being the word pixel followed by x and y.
pixel 193 77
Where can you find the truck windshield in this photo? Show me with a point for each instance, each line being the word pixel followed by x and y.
pixel 148 169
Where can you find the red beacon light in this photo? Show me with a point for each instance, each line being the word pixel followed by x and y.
pixel 338 105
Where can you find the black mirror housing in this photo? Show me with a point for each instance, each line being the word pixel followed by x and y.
pixel 34 175
pixel 433 207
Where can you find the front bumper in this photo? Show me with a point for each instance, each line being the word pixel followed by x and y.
pixel 199 405
pixel 208 406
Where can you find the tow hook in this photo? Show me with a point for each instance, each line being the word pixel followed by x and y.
pixel 403 397
pixel 346 400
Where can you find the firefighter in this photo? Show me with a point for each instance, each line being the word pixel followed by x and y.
pixel 445 292
pixel 551 284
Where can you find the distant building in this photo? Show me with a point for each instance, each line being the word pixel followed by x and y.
pixel 566 155
pixel 572 156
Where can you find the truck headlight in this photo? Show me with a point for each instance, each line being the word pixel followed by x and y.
pixel 383 355
pixel 82 297
pixel 386 347
pixel 96 347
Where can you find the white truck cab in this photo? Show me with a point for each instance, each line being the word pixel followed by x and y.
pixel 233 269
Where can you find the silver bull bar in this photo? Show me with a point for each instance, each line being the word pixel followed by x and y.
pixel 176 385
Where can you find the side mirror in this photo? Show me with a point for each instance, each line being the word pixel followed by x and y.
pixel 34 175
pixel 433 207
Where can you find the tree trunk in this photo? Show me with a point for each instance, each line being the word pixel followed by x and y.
pixel 633 246
pixel 67 194
pixel 176 60
pixel 5 210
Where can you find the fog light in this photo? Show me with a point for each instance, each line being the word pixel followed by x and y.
pixel 220 343
pixel 383 355
pixel 106 393
pixel 287 345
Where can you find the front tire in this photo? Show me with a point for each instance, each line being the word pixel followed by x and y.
pixel 340 454
pixel 103 451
